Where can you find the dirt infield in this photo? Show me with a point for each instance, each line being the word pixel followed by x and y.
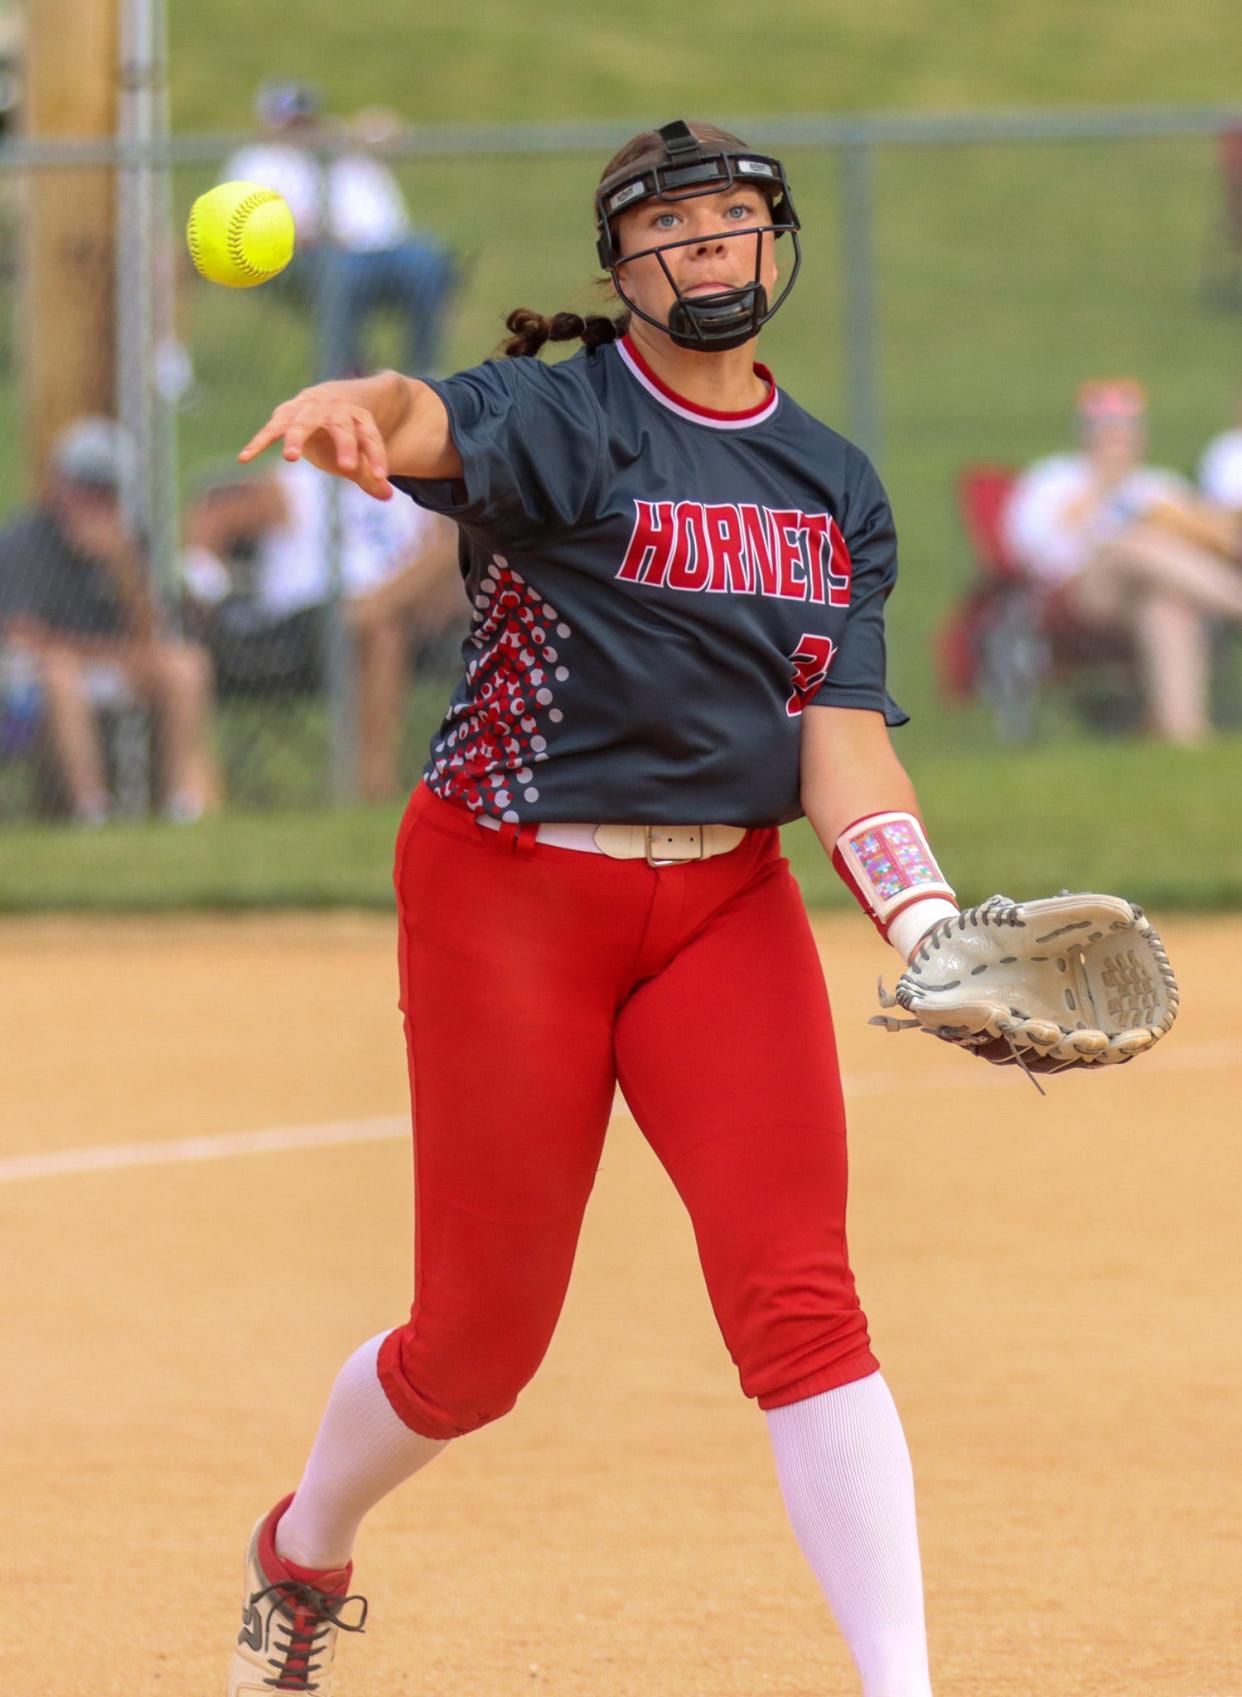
pixel 1052 1287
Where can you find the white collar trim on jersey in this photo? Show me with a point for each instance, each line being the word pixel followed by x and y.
pixel 675 403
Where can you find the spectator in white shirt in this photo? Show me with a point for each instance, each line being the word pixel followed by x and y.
pixel 1220 473
pixel 402 597
pixel 1124 545
pixel 371 256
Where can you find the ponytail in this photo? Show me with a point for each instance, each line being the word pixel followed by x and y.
pixel 530 330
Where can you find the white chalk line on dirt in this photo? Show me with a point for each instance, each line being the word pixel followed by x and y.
pixel 218 1147
pixel 225 1146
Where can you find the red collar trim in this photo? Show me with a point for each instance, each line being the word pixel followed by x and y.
pixel 684 408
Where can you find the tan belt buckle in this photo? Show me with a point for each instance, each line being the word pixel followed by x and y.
pixel 653 859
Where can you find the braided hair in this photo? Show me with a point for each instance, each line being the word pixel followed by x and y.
pixel 530 330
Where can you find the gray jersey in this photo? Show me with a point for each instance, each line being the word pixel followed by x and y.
pixel 658 593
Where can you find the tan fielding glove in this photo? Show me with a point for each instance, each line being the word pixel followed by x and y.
pixel 1070 981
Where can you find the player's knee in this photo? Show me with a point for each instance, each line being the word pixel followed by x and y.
pixel 796 1334
pixel 836 1355
pixel 466 1382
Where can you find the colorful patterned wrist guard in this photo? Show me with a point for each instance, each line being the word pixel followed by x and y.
pixel 885 861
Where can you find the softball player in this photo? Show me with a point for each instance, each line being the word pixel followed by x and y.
pixel 678 580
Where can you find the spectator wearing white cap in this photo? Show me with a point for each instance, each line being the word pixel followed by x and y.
pixel 1127 546
pixel 374 257
pixel 76 602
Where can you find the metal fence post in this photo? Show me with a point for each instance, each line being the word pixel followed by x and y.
pixel 340 661
pixel 861 352
pixel 145 285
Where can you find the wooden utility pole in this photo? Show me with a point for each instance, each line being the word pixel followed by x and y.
pixel 69 321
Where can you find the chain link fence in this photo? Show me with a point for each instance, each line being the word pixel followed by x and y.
pixel 177 632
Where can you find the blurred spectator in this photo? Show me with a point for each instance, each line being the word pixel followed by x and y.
pixel 78 615
pixel 375 259
pixel 1126 546
pixel 1220 473
pixel 404 605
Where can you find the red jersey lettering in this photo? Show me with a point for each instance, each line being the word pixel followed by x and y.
pixel 651 543
pixel 811 660
pixel 690 566
pixel 786 535
pixel 739 549
pixel 763 567
pixel 731 569
pixel 816 535
pixel 840 568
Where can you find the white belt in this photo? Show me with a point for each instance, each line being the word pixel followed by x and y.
pixel 658 845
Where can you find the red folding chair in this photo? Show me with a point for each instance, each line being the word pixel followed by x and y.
pixel 982 491
pixel 1008 638
pixel 967 641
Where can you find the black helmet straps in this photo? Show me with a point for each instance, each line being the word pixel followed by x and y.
pixel 687 169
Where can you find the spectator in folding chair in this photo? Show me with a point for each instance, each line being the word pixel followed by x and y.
pixel 375 258
pixel 403 603
pixel 1124 546
pixel 76 604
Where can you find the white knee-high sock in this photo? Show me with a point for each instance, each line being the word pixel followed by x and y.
pixel 362 1450
pixel 845 1475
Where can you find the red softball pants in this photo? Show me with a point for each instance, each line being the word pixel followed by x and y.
pixel 533 979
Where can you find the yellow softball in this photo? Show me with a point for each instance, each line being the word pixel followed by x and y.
pixel 240 234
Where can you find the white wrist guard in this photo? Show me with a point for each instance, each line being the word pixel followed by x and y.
pixel 913 923
pixel 885 860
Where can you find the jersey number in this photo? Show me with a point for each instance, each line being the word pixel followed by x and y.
pixel 811 660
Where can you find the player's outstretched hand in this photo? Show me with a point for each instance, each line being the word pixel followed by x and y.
pixel 326 425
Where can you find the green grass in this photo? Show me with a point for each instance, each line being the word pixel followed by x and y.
pixel 291 858
pixel 1145 823
pixel 510 59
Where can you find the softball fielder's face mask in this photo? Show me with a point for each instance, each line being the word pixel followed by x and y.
pixel 709 323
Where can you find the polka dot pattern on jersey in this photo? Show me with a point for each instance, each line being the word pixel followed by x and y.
pixel 491 741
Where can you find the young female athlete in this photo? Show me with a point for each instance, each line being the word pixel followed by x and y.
pixel 678 580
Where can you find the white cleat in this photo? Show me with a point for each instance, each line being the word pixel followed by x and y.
pixel 290 1621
